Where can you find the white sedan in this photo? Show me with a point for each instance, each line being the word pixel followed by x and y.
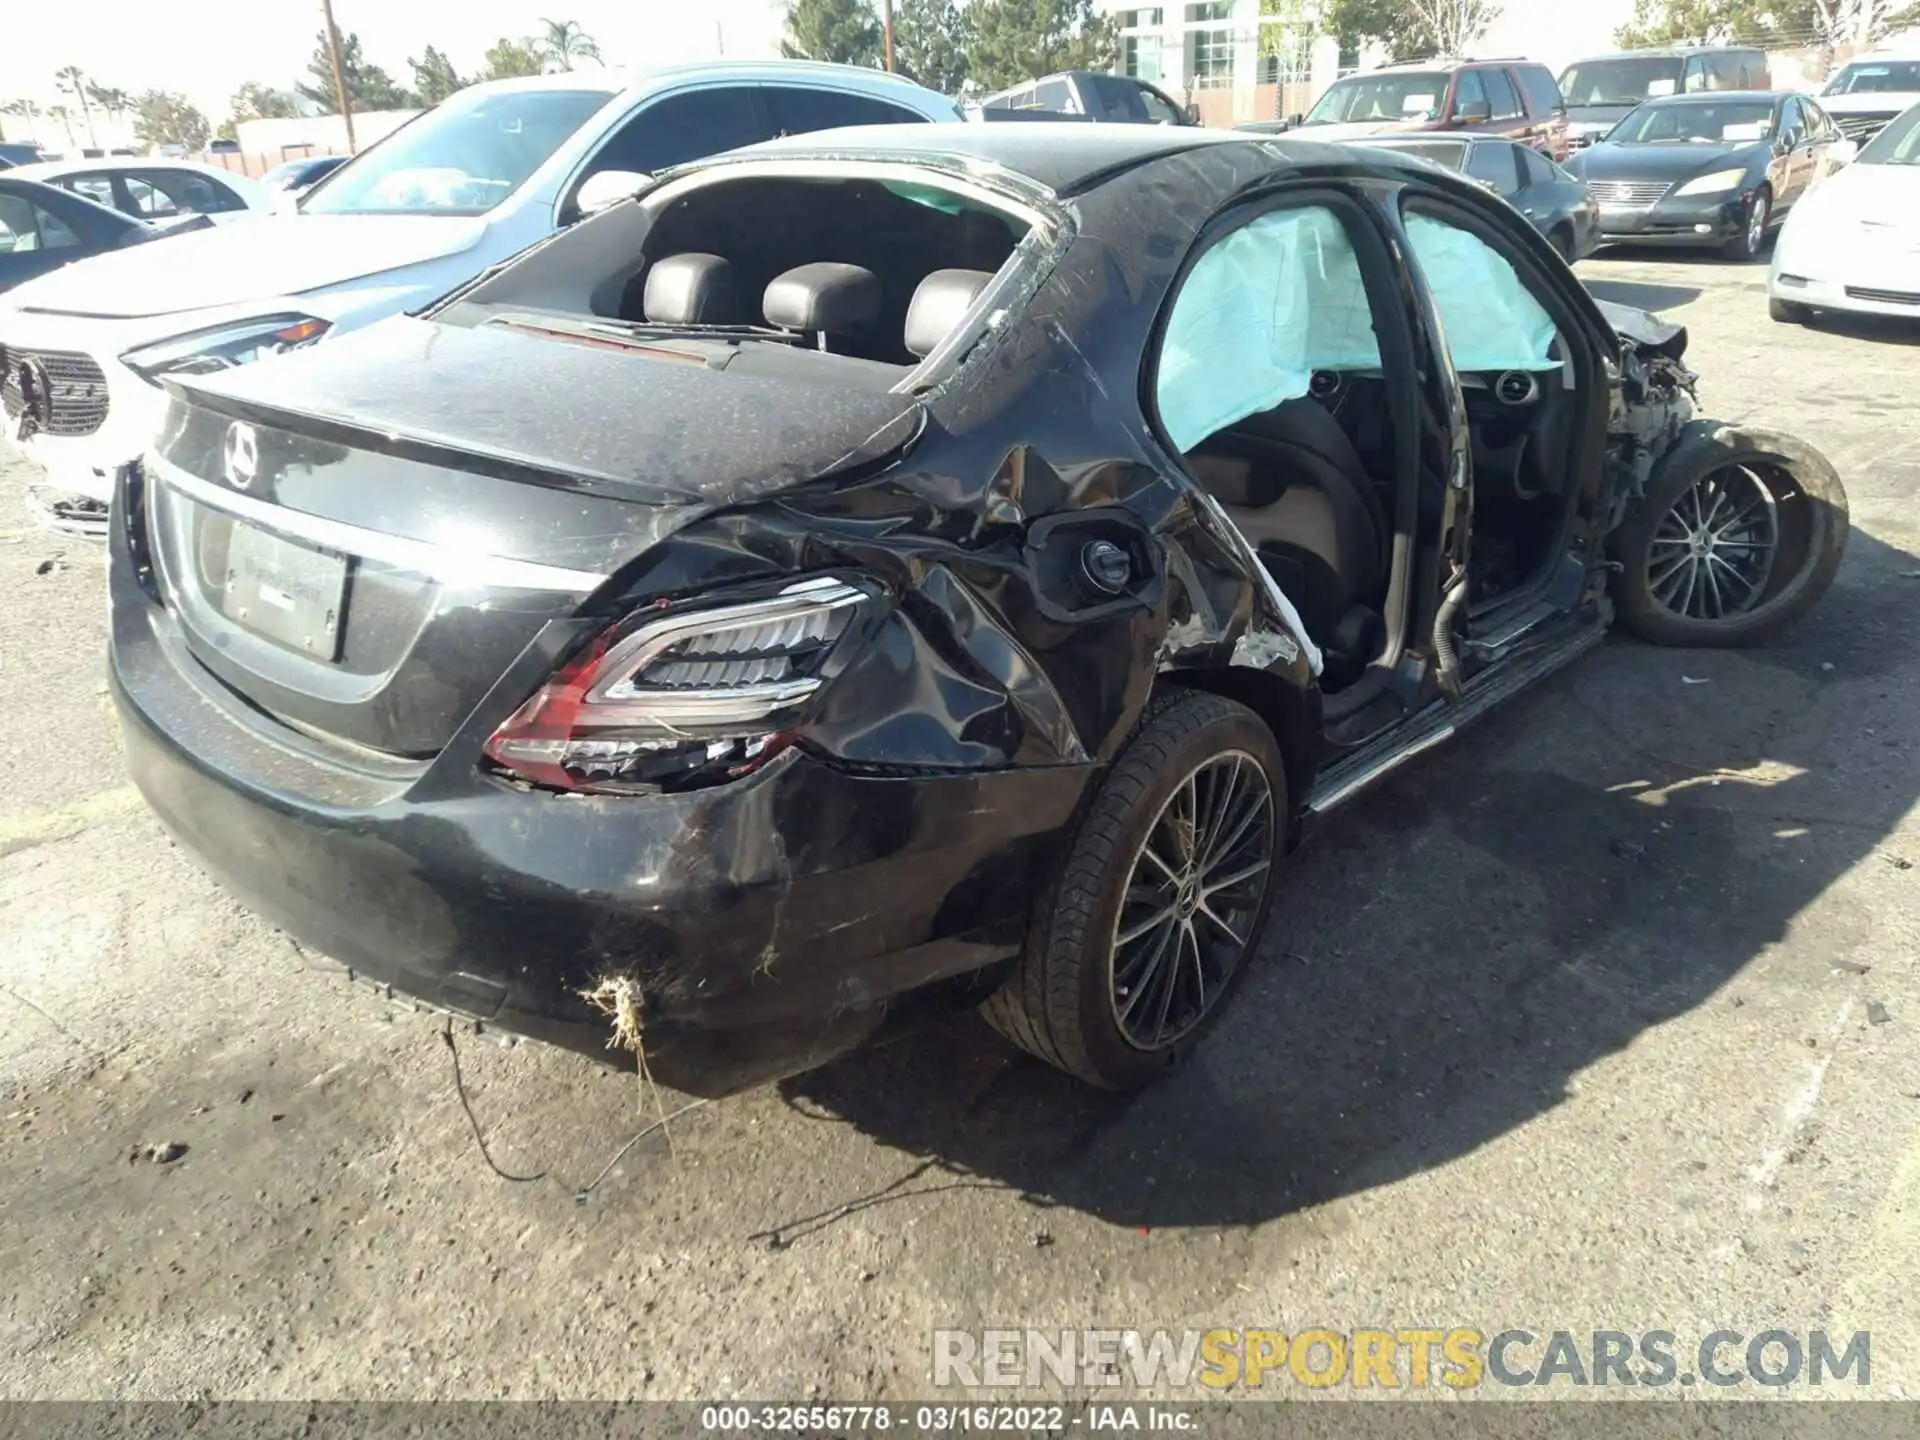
pixel 469 184
pixel 154 189
pixel 1853 243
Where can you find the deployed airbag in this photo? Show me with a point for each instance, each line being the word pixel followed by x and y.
pixel 1492 321
pixel 1276 300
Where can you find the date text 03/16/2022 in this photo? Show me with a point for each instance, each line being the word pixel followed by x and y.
pixel 938 1419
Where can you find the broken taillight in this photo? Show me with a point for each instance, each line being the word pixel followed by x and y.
pixel 669 700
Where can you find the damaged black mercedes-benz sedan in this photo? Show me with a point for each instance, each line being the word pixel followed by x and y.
pixel 946 564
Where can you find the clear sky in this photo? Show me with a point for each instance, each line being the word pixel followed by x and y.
pixel 207 48
pixel 1556 31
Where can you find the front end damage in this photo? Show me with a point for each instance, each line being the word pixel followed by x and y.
pixel 1653 402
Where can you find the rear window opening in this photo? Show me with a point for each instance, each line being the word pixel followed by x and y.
pixel 795 254
pixel 851 279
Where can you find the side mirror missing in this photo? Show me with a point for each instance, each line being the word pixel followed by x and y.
pixel 1473 112
pixel 609 188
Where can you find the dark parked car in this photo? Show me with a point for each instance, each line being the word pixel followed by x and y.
pixel 1557 204
pixel 936 564
pixel 1513 99
pixel 1603 90
pixel 296 177
pixel 43 228
pixel 1087 95
pixel 18 153
pixel 1714 169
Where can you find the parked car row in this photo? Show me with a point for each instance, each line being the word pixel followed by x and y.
pixel 471 182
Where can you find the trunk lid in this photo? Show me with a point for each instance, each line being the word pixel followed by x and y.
pixel 359 539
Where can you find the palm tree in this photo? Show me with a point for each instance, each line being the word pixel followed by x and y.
pixel 114 102
pixel 564 42
pixel 65 117
pixel 73 81
pixel 27 110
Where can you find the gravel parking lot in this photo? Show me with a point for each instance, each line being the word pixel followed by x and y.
pixel 1605 1017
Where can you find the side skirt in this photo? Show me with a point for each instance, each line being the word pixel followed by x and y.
pixel 1442 720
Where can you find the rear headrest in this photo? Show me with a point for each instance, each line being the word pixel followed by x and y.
pixel 693 289
pixel 943 297
pixel 824 296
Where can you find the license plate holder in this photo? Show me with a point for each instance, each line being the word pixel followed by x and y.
pixel 290 593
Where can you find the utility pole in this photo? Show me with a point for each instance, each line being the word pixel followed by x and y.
pixel 886 13
pixel 339 75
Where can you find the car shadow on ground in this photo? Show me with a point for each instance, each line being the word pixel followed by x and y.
pixel 1606 855
pixel 1641 295
pixel 1879 329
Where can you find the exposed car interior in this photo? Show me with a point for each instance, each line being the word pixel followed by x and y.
pixel 862 269
pixel 1271 385
pixel 861 281
pixel 864 277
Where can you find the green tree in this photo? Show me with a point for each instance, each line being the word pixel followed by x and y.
pixel 1759 22
pixel 927 44
pixel 254 101
pixel 1391 24
pixel 1009 41
pixel 563 41
pixel 1288 29
pixel 434 77
pixel 509 58
pixel 368 86
pixel 113 103
pixel 844 31
pixel 164 118
pixel 72 80
pixel 1669 22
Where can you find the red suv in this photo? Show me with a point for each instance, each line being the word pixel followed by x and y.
pixel 1515 99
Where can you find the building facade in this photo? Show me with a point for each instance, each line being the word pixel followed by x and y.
pixel 1222 57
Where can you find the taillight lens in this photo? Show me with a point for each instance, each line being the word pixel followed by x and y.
pixel 684 697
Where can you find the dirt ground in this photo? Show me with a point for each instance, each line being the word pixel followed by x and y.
pixel 1606 1016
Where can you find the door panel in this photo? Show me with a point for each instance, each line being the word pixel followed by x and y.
pixel 33 241
pixel 1530 367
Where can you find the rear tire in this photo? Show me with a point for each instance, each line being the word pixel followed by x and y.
pixel 1084 996
pixel 1739 534
pixel 1561 239
pixel 1786 312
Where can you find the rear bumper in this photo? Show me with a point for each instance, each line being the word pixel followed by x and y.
pixel 770 924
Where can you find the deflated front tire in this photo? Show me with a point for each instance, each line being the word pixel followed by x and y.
pixel 1739 534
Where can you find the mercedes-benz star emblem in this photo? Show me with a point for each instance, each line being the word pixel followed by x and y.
pixel 240 455
pixel 36 397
